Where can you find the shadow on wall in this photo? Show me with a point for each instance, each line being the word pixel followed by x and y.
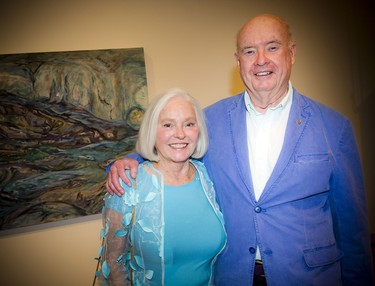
pixel 366 111
pixel 236 84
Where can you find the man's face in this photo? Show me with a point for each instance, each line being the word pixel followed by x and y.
pixel 265 57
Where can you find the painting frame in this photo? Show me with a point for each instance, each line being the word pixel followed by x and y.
pixel 64 117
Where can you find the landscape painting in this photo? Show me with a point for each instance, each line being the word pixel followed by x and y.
pixel 63 117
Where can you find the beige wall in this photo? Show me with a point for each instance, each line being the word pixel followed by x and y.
pixel 187 43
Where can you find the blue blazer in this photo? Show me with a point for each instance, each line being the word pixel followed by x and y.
pixel 311 220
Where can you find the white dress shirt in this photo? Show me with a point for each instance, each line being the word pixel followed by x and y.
pixel 265 137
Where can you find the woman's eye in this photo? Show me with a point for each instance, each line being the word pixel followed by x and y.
pixel 167 125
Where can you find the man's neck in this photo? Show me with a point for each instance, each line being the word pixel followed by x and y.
pixel 262 102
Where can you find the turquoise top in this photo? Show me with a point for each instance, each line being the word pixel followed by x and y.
pixel 190 246
pixel 140 245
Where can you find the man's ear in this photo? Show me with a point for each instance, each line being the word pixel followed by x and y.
pixel 293 51
pixel 237 59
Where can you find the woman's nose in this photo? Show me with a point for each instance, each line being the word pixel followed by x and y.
pixel 179 133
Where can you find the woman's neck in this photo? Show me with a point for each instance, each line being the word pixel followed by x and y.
pixel 176 174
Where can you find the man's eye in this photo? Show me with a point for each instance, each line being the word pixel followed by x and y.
pixel 273 48
pixel 248 52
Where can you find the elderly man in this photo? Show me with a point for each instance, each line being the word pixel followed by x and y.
pixel 287 174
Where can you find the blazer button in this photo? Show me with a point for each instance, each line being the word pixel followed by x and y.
pixel 257 209
pixel 252 250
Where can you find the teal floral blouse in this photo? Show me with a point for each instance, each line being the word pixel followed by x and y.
pixel 134 223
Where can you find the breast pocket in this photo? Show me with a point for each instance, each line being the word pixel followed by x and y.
pixel 313 172
pixel 312 158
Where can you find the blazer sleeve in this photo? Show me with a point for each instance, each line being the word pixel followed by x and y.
pixel 350 211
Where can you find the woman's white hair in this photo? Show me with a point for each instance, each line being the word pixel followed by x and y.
pixel 145 145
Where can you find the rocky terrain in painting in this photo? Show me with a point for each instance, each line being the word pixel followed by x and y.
pixel 60 125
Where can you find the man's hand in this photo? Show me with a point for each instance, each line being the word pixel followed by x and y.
pixel 116 171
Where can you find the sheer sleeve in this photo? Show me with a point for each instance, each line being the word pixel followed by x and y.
pixel 143 228
pixel 116 246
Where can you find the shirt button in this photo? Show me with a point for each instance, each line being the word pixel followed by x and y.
pixel 252 250
pixel 257 209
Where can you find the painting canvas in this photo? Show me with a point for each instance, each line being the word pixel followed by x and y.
pixel 63 117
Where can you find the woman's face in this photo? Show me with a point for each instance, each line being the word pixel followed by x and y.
pixel 177 131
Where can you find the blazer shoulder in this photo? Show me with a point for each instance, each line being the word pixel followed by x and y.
pixel 314 107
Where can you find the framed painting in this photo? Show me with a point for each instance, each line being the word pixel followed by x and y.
pixel 63 117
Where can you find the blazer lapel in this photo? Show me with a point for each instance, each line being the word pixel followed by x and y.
pixel 237 117
pixel 298 118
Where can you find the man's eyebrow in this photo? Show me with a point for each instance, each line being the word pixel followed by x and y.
pixel 268 43
pixel 246 47
pixel 275 42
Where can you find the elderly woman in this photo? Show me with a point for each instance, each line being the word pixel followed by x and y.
pixel 167 229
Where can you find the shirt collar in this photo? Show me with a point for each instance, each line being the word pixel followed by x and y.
pixel 283 103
